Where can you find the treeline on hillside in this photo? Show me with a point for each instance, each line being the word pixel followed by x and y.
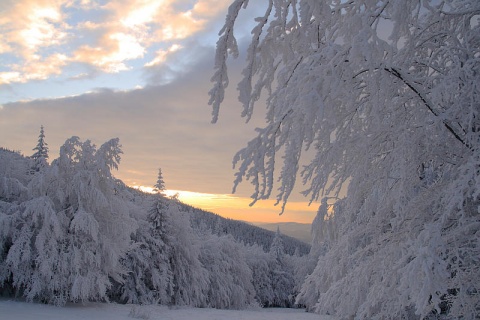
pixel 70 231
pixel 244 232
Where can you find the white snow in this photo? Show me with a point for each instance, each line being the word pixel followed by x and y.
pixel 10 310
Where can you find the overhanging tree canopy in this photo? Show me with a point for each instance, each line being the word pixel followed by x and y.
pixel 387 94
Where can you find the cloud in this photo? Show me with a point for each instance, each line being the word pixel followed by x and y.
pixel 159 126
pixel 27 28
pixel 29 25
pixel 175 24
pixel 111 55
pixel 161 55
pixel 165 126
pixel 108 37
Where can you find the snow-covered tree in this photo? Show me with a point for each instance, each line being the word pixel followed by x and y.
pixel 148 263
pixel 281 274
pixel 40 156
pixel 149 276
pixel 67 239
pixel 260 262
pixel 160 185
pixel 190 278
pixel 100 227
pixel 386 95
pixel 13 179
pixel 276 248
pixel 230 278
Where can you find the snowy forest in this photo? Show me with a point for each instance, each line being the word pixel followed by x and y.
pixel 71 232
pixel 375 107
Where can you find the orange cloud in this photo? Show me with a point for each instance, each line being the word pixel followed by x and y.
pixel 128 28
pixel 133 26
pixel 27 27
pixel 139 13
pixel 35 68
pixel 180 25
pixel 209 8
pixel 161 55
pixel 114 50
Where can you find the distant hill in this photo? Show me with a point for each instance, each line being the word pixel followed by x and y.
pixel 243 232
pixel 248 233
pixel 300 231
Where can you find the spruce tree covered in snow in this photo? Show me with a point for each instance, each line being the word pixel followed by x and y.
pixel 281 274
pixel 40 156
pixel 160 185
pixel 386 95
pixel 276 248
pixel 150 276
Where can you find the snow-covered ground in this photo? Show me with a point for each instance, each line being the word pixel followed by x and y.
pixel 12 310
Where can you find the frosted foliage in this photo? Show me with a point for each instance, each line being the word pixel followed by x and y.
pixel 67 240
pixel 190 278
pixel 276 249
pixel 230 278
pixel 13 177
pixel 13 170
pixel 281 274
pixel 386 96
pixel 260 263
pixel 11 188
pixel 273 277
pixel 150 277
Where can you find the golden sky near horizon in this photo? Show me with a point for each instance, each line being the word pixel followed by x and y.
pixel 238 208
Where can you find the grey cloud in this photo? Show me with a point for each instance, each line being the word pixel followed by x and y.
pixel 159 126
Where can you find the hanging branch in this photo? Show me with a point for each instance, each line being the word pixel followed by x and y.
pixel 398 75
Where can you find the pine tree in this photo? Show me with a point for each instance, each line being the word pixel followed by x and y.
pixel 150 277
pixel 281 274
pixel 277 249
pixel 160 185
pixel 41 152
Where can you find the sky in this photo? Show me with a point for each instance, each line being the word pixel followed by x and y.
pixel 138 70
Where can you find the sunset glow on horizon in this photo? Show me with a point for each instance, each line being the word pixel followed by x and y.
pixel 238 208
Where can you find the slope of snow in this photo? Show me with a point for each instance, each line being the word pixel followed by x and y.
pixel 10 310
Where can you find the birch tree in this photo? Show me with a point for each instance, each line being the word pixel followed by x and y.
pixel 386 96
